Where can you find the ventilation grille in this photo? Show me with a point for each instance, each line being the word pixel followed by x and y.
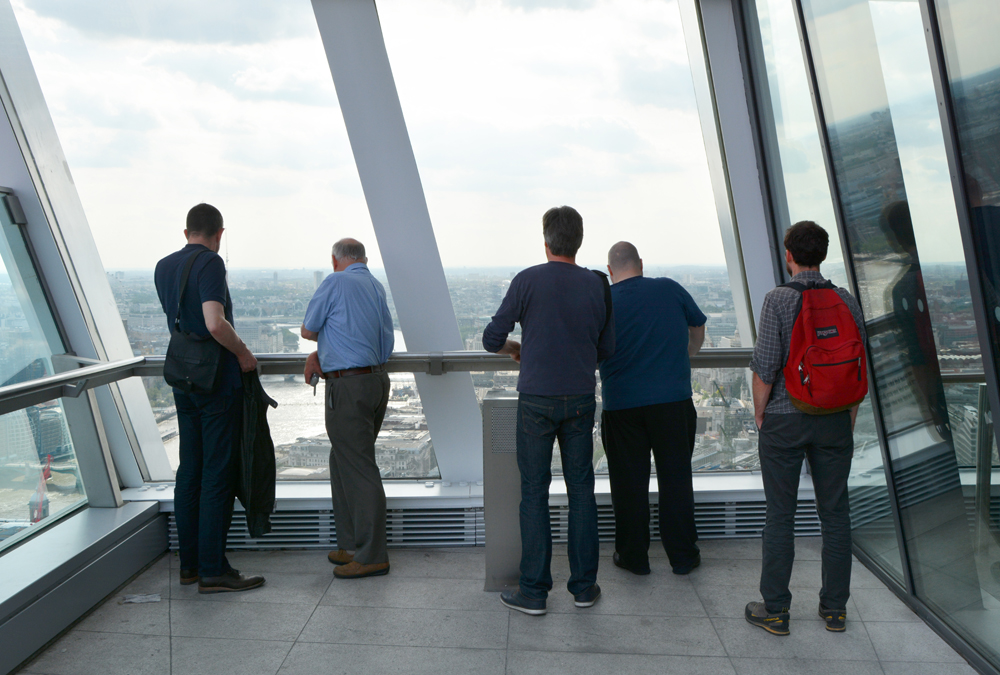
pixel 503 429
pixel 465 527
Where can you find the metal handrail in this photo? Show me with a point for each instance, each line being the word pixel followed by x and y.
pixel 70 384
pixel 74 382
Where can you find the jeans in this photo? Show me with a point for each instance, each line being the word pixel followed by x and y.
pixel 540 421
pixel 668 429
pixel 828 442
pixel 209 429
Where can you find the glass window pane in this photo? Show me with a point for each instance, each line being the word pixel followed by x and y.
pixel 895 190
pixel 586 104
pixel 39 476
pixel 158 110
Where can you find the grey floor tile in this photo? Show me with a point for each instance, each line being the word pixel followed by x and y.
pixel 286 562
pixel 899 641
pixel 903 668
pixel 569 663
pixel 312 658
pixel 438 563
pixel 206 656
pixel 82 653
pixel 414 593
pixel 732 549
pixel 762 666
pixel 881 604
pixel 730 601
pixel 279 588
pixel 151 618
pixel 240 620
pixel 727 572
pixel 808 640
pixel 637 596
pixel 589 632
pixel 407 627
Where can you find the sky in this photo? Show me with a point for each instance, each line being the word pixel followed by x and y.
pixel 512 106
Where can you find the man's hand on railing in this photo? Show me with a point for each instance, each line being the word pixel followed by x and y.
pixel 513 348
pixel 312 367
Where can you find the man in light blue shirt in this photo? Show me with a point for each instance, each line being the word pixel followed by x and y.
pixel 349 317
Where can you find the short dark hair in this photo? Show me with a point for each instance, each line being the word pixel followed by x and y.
pixel 204 219
pixel 807 242
pixel 562 228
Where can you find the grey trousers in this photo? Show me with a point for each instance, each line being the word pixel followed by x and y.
pixel 355 407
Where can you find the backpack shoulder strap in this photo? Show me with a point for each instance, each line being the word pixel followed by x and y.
pixel 800 287
pixel 607 298
pixel 795 286
pixel 185 273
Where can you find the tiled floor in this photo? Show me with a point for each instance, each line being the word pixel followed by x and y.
pixel 430 615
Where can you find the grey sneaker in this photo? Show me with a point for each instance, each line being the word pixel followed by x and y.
pixel 588 597
pixel 514 600
pixel 835 619
pixel 775 623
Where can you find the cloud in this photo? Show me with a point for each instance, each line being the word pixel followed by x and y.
pixel 189 21
pixel 666 86
pixel 551 4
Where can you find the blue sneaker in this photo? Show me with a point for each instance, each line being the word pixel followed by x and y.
pixel 588 597
pixel 514 600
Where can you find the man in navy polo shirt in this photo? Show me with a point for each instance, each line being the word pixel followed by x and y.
pixel 646 389
pixel 208 424
pixel 566 330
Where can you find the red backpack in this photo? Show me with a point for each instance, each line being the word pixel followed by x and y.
pixel 826 371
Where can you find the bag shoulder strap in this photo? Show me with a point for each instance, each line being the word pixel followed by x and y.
pixel 607 298
pixel 801 287
pixel 185 273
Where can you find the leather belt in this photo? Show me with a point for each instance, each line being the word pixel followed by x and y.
pixel 334 374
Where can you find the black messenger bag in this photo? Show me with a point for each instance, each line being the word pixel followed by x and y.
pixel 192 362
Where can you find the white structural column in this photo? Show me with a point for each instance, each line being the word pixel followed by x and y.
pixel 721 91
pixel 359 63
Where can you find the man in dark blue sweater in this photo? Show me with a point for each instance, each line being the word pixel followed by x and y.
pixel 566 328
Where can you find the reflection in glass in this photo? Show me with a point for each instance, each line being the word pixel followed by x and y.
pixel 39 478
pixel 878 100
pixel 972 60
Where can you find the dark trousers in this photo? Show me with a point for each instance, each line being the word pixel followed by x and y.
pixel 540 421
pixel 668 429
pixel 355 408
pixel 209 429
pixel 828 442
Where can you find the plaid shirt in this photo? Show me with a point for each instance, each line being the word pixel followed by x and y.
pixel 774 335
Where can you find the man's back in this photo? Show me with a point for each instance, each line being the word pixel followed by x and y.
pixel 561 309
pixel 350 312
pixel 650 364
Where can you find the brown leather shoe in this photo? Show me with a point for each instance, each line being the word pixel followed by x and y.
pixel 340 557
pixel 355 570
pixel 189 577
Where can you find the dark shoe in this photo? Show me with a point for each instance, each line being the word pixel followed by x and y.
pixel 775 623
pixel 835 619
pixel 189 577
pixel 355 570
pixel 617 560
pixel 340 557
pixel 514 600
pixel 230 582
pixel 588 597
pixel 686 569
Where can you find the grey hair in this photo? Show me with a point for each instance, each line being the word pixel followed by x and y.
pixel 562 228
pixel 349 248
pixel 623 256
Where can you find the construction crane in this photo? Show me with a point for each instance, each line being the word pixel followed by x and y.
pixel 718 388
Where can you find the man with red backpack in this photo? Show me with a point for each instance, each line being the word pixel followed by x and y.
pixel 810 376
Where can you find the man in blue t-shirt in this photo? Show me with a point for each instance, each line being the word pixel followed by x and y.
pixel 646 387
pixel 566 330
pixel 208 424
